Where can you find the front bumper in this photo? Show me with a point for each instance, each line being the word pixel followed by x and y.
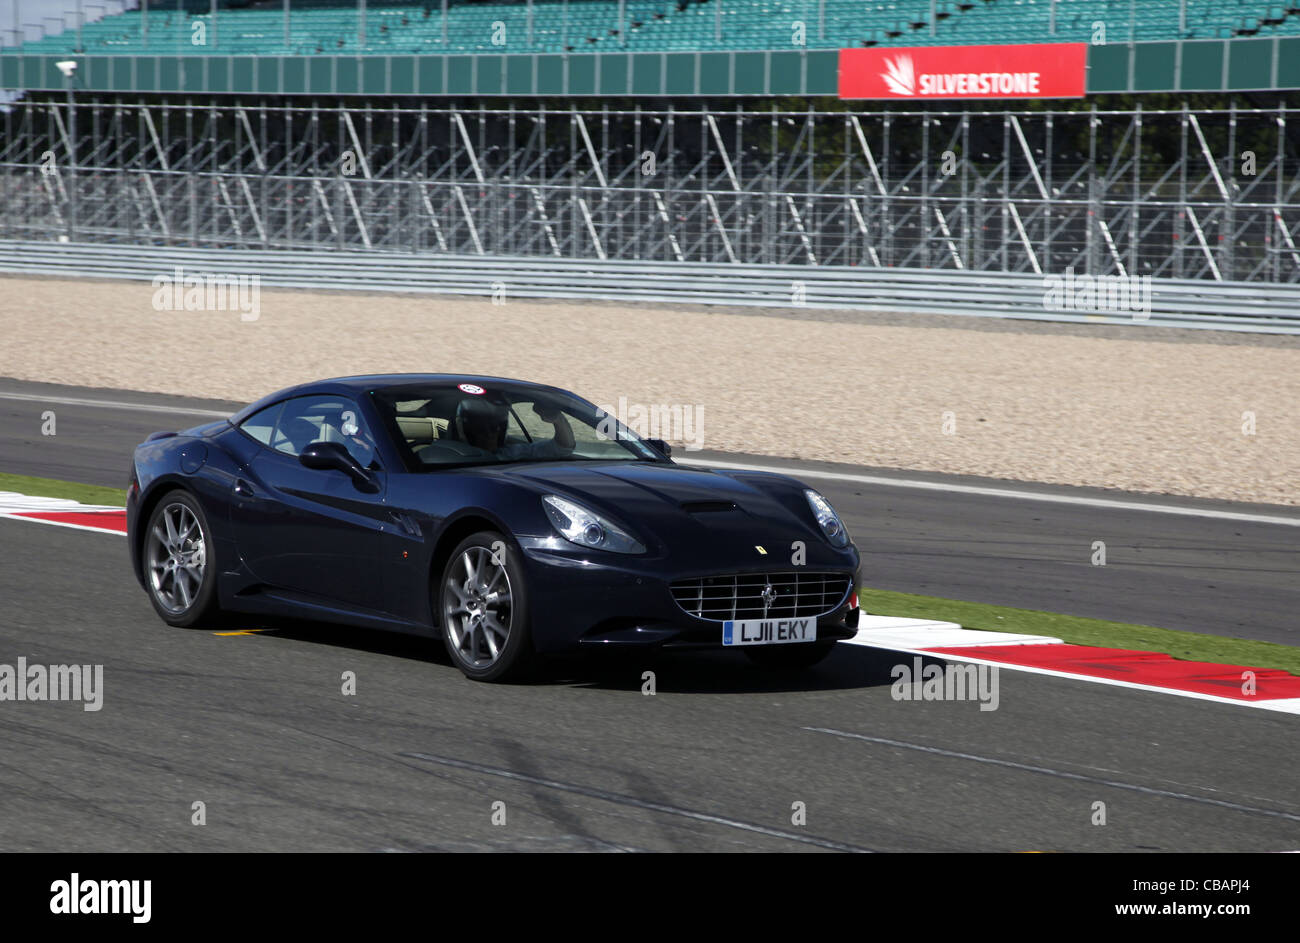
pixel 582 600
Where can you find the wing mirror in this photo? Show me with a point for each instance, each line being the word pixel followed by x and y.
pixel 332 456
pixel 662 446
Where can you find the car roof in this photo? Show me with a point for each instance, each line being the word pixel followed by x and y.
pixel 355 385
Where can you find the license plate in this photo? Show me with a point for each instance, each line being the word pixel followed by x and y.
pixel 769 631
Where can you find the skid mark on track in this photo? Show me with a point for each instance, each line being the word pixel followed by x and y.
pixel 621 799
pixel 1058 773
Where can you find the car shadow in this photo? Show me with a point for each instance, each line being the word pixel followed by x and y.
pixel 358 638
pixel 684 672
pixel 713 672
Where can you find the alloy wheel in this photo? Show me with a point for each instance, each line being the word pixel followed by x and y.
pixel 477 607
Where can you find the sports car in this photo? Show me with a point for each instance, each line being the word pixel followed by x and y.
pixel 512 520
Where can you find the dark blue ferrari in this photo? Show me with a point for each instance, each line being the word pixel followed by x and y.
pixel 512 519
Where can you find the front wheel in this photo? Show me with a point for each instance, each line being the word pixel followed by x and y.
pixel 794 657
pixel 484 607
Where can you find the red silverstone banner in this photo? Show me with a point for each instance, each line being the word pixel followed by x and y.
pixel 1033 70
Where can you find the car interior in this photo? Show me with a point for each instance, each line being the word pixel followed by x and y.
pixel 435 436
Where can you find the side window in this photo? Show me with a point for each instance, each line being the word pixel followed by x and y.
pixel 261 424
pixel 309 419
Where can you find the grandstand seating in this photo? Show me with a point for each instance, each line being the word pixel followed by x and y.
pixel 654 25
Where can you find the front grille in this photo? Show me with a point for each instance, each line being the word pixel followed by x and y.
pixel 740 596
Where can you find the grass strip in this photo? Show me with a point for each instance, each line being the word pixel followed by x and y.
pixel 53 488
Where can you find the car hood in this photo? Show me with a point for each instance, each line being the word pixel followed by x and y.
pixel 680 506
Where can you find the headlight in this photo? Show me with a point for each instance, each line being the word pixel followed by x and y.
pixel 827 519
pixel 588 529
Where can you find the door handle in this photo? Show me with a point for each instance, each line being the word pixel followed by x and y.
pixel 243 488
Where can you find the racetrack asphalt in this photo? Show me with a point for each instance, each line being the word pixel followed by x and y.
pixel 256 726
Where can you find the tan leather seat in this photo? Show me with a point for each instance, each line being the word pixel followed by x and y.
pixel 418 430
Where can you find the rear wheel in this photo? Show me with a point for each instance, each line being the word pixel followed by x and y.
pixel 788 657
pixel 484 607
pixel 179 572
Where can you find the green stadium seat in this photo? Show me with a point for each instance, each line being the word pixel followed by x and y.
pixel 332 26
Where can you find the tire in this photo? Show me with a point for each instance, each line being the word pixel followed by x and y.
pixel 487 637
pixel 795 657
pixel 180 572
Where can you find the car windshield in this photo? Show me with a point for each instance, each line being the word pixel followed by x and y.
pixel 463 424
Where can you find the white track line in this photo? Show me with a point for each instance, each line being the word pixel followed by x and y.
pixel 878 480
pixel 12 502
pixel 113 404
pixel 16 506
pixel 986 492
pixel 905 633
pixel 41 520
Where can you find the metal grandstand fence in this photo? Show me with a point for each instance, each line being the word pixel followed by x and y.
pixel 1172 193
